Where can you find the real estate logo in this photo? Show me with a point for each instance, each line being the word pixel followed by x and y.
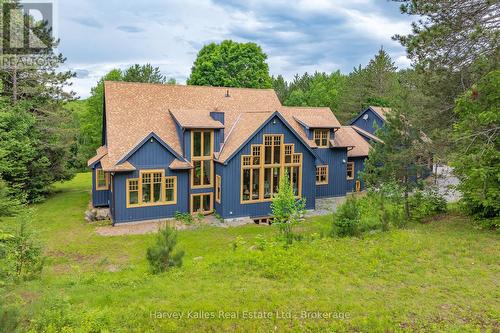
pixel 27 27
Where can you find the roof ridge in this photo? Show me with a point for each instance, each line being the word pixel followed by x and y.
pixel 185 85
pixel 229 134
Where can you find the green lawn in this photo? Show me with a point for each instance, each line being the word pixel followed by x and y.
pixel 440 276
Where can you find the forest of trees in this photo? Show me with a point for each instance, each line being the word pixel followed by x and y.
pixel 451 93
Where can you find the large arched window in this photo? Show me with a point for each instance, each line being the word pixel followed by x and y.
pixel 261 171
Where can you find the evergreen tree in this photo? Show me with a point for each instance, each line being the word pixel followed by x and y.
pixel 476 152
pixel 401 157
pixel 161 255
pixel 376 84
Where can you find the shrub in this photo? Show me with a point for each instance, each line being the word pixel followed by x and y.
pixel 427 203
pixel 23 255
pixel 186 218
pixel 287 210
pixel 347 219
pixel 160 256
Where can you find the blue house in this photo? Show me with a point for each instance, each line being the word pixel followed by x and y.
pixel 172 148
pixel 369 121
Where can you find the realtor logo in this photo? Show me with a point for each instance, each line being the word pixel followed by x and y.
pixel 27 27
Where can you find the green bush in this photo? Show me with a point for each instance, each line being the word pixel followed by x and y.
pixel 287 210
pixel 346 222
pixel 161 256
pixel 22 253
pixel 425 203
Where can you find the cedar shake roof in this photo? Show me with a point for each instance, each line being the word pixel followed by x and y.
pixel 381 111
pixel 101 152
pixel 346 136
pixel 180 165
pixel 195 119
pixel 366 134
pixel 243 127
pixel 314 117
pixel 135 110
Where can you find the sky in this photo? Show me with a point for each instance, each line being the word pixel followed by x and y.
pixel 298 36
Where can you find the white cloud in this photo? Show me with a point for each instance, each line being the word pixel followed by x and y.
pixel 297 36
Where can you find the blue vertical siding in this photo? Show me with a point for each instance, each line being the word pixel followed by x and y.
pixel 231 175
pixel 99 198
pixel 359 165
pixel 337 168
pixel 371 124
pixel 219 207
pixel 219 133
pixel 152 155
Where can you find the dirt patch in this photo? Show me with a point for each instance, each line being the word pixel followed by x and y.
pixel 139 228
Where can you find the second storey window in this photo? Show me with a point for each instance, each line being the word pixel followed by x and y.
pixel 201 156
pixel 350 170
pixel 322 175
pixel 321 137
pixel 260 175
pixel 151 188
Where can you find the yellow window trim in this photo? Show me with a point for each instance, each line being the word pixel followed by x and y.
pixel 358 186
pixel 218 189
pixel 202 158
pixel 162 202
pixel 106 177
pixel 350 164
pixel 318 169
pixel 262 166
pixel 202 194
pixel 320 134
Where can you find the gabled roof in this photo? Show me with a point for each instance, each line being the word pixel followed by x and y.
pixel 133 110
pixel 136 112
pixel 347 136
pixel 381 111
pixel 195 119
pixel 366 134
pixel 101 152
pixel 311 117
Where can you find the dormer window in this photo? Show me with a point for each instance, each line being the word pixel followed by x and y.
pixel 321 137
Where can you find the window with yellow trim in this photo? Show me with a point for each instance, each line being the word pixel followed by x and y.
pixel 350 170
pixel 171 189
pixel 260 175
pixel 322 175
pixel 132 191
pixel 218 190
pixel 201 156
pixel 321 137
pixel 101 180
pixel 151 188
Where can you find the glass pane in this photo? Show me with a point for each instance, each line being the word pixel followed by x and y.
pixel 207 167
pixel 324 141
pixel 277 154
pixel 196 203
pixel 246 184
pixel 197 173
pixel 268 154
pixel 156 192
pixel 276 179
pixel 295 177
pixel 267 183
pixel 134 197
pixel 146 193
pixel 206 203
pixel 196 143
pixel 255 184
pixel 317 142
pixel 207 143
pixel 169 195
